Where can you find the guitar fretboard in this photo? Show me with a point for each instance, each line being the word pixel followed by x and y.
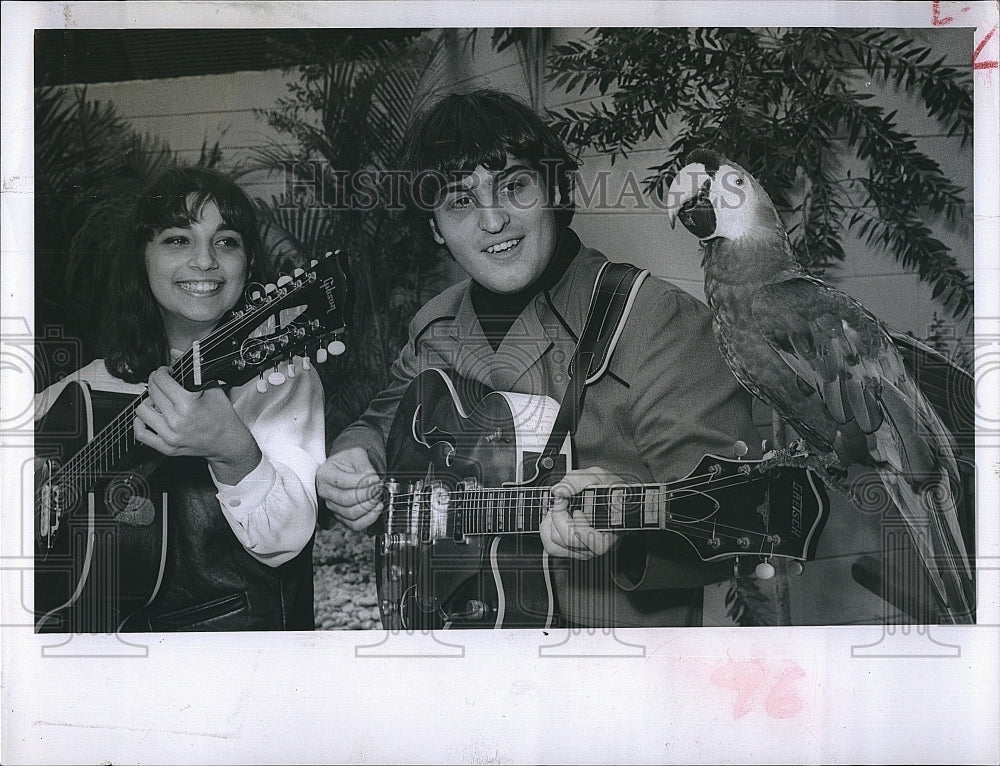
pixel 433 512
pixel 103 452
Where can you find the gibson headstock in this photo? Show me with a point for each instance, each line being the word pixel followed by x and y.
pixel 301 315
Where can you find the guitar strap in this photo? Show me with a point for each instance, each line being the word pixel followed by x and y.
pixel 614 293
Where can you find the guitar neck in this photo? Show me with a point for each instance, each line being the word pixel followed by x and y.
pixel 102 454
pixel 520 510
pixel 116 440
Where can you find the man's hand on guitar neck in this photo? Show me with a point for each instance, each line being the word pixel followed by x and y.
pixel 571 535
pixel 351 489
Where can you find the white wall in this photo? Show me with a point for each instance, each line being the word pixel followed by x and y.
pixel 189 111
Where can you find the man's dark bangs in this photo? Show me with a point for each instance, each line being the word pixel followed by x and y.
pixel 457 140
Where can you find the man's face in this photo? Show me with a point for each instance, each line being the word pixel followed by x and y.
pixel 499 225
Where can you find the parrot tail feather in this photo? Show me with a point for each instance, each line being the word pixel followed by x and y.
pixel 929 511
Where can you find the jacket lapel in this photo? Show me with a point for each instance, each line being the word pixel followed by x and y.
pixel 524 345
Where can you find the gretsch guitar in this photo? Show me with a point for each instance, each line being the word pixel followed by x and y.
pixel 100 540
pixel 458 543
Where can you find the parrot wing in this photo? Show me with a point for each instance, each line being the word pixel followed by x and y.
pixel 854 375
pixel 843 359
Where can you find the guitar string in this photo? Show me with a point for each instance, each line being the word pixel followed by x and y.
pixel 476 509
pixel 406 523
pixel 706 531
pixel 107 441
pixel 687 483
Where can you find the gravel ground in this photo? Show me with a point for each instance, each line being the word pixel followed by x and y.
pixel 344 580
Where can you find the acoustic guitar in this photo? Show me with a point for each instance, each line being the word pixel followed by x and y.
pixel 100 539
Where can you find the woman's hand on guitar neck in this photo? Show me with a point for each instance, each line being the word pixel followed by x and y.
pixel 351 489
pixel 175 421
pixel 571 535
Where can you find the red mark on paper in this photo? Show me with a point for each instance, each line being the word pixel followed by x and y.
pixel 942 21
pixel 783 702
pixel 939 21
pixel 936 18
pixel 976 64
pixel 746 677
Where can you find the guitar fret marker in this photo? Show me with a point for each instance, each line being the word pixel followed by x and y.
pixel 196 360
pixel 616 507
pixel 588 504
pixel 649 505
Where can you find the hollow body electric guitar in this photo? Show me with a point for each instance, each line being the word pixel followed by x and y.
pixel 458 544
pixel 100 540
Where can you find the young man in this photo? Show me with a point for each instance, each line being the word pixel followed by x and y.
pixel 495 186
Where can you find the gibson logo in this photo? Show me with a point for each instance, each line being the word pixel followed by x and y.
pixel 330 288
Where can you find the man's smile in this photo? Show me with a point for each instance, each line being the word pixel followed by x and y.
pixel 503 247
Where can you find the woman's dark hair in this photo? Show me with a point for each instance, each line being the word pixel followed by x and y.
pixel 132 339
pixel 463 130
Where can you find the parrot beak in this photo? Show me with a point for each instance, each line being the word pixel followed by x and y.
pixel 688 200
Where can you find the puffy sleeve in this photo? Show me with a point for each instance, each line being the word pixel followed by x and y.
pixel 272 510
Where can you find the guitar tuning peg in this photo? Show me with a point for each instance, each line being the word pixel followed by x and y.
pixel 291 368
pixel 320 355
pixel 764 570
pixel 795 568
pixel 270 287
pixel 740 449
pixel 283 280
pixel 275 378
pixel 298 272
pixel 262 385
pixel 306 363
pixel 336 347
pixel 313 263
pixel 256 295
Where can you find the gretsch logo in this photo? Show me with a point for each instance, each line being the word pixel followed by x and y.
pixel 796 508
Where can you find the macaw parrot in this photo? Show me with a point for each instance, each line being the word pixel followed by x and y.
pixel 825 364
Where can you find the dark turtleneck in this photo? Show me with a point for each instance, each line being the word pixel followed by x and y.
pixel 497 311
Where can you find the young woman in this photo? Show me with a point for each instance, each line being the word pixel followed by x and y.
pixel 241 463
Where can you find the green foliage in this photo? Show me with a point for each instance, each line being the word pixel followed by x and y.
pixel 788 105
pixel 89 163
pixel 750 605
pixel 347 111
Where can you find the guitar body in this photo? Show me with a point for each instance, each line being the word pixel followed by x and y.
pixel 459 541
pixel 453 434
pixel 106 557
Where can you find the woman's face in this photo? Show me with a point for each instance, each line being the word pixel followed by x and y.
pixel 197 274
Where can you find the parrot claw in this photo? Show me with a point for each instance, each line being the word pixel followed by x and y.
pixel 797 455
pixel 794 455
